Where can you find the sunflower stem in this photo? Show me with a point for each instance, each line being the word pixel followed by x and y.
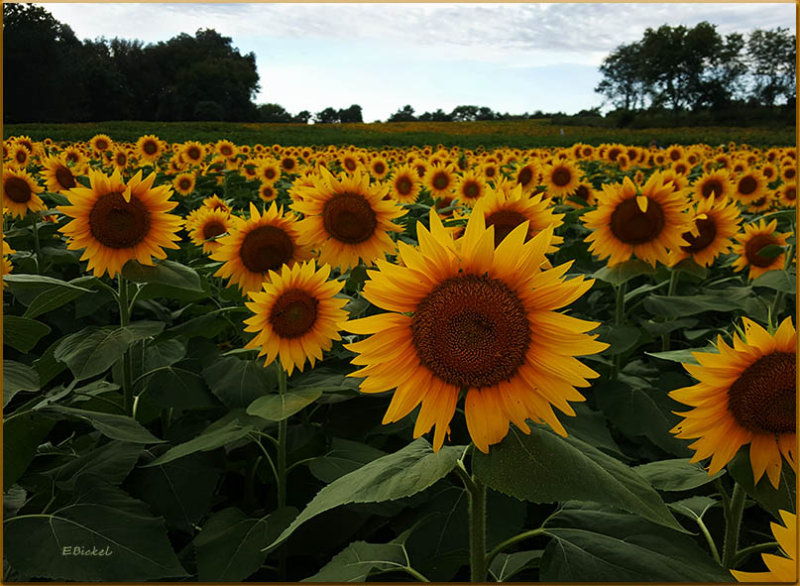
pixel 281 466
pixel 619 319
pixel 673 287
pixel 710 540
pixel 743 554
pixel 476 491
pixel 127 364
pixel 36 245
pixel 733 522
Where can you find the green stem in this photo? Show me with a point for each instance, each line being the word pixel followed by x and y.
pixel 281 446
pixel 415 574
pixel 36 245
pixel 742 554
pixel 733 522
pixel 619 319
pixel 127 363
pixel 476 490
pixel 673 286
pixel 710 540
pixel 511 541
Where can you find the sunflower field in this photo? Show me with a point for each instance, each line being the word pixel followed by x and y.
pixel 245 362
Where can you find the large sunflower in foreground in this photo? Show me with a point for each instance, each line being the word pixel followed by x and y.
pixel 780 568
pixel 745 395
pixel 750 245
pixel 20 193
pixel 297 315
pixel 645 223
pixel 715 223
pixel 261 244
pixel 116 222
pixel 347 218
pixel 476 320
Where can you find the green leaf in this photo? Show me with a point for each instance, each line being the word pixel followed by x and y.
pixel 343 457
pixel 230 545
pixel 622 273
pixel 693 507
pixel 237 383
pixel 207 325
pixel 22 333
pixel 47 366
pixel 165 272
pixel 177 388
pixel 26 288
pixel 727 300
pixel 111 462
pixel 54 298
pixel 277 407
pixel 359 559
pixel 22 434
pixel 778 280
pixel 620 339
pixel 18 377
pixel 770 498
pixel 507 565
pixel 598 545
pixel 771 251
pixel 111 425
pixel 206 441
pixel 675 475
pixel 403 473
pixel 683 356
pixel 180 491
pixel 99 519
pixel 591 427
pixel 544 468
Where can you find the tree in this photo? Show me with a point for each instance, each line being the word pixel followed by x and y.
pixel 438 116
pixel 771 55
pixel 623 84
pixel 327 116
pixel 302 117
pixel 273 113
pixel 464 113
pixel 351 114
pixel 404 114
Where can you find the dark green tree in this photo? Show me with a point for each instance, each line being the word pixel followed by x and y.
pixel 404 114
pixel 771 55
pixel 273 113
pixel 351 114
pixel 327 116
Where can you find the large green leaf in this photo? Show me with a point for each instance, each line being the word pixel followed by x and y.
pixel 403 473
pixel 27 287
pixel 47 366
pixel 343 457
pixel 22 434
pixel 727 300
pixel 545 468
pixel 237 383
pixel 778 280
pixel 359 559
pixel 771 498
pixel 111 425
pixel 111 462
pixel 55 297
pixel 230 547
pixel 621 273
pixel 165 272
pixel 675 475
pixel 18 377
pixel 507 565
pixel 123 540
pixel 22 333
pixel 206 441
pixel 276 407
pixel 177 388
pixel 599 545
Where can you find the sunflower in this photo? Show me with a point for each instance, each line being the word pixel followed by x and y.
pixel 214 202
pixel 629 222
pixel 297 315
pixel 527 176
pixel 379 168
pixel 561 178
pixel 477 320
pixel 267 192
pixel 440 180
pixel 116 222
pixel 756 237
pixel 781 568
pixel 715 222
pixel 349 162
pixel 261 244
pixel 225 148
pixel 184 183
pixel 20 156
pixel 208 224
pixel 100 143
pixel 505 209
pixel 404 185
pixel 582 196
pixel 193 152
pixel 470 187
pixel 749 187
pixel 789 172
pixel 149 148
pixel 74 157
pixel 269 171
pixel 57 175
pixel 490 170
pixel 745 395
pixel 716 183
pixel 20 193
pixel 288 164
pixel 787 195
pixel 347 219
pixel 769 171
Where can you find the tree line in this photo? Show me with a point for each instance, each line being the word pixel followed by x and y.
pixel 693 68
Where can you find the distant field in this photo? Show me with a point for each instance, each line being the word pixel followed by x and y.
pixel 522 134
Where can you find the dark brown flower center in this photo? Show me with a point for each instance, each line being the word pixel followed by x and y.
pixel 226 151
pixel 101 145
pixel 707 231
pixel 185 184
pixel 269 173
pixel 633 226
pixel 18 190
pixel 121 159
pixel 213 229
pixel 404 185
pixel 504 221
pixel 754 246
pixel 747 185
pixel 790 193
pixel 193 153
pixel 562 177
pixel 490 172
pixel 293 313
pixel 762 399
pixel 117 223
pixel 711 187
pixel 471 332
pixel 65 177
pixel 379 168
pixel 150 147
pixel 288 163
pixel 613 154
pixel 349 218
pixel 21 156
pixel 471 189
pixel 441 180
pixel 350 164
pixel 582 192
pixel 789 173
pixel 525 176
pixel 266 248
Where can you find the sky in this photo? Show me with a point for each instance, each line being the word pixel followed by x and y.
pixel 510 57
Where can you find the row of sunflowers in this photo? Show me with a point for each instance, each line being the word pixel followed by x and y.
pixel 245 349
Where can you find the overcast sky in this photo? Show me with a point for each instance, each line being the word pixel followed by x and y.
pixel 510 57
